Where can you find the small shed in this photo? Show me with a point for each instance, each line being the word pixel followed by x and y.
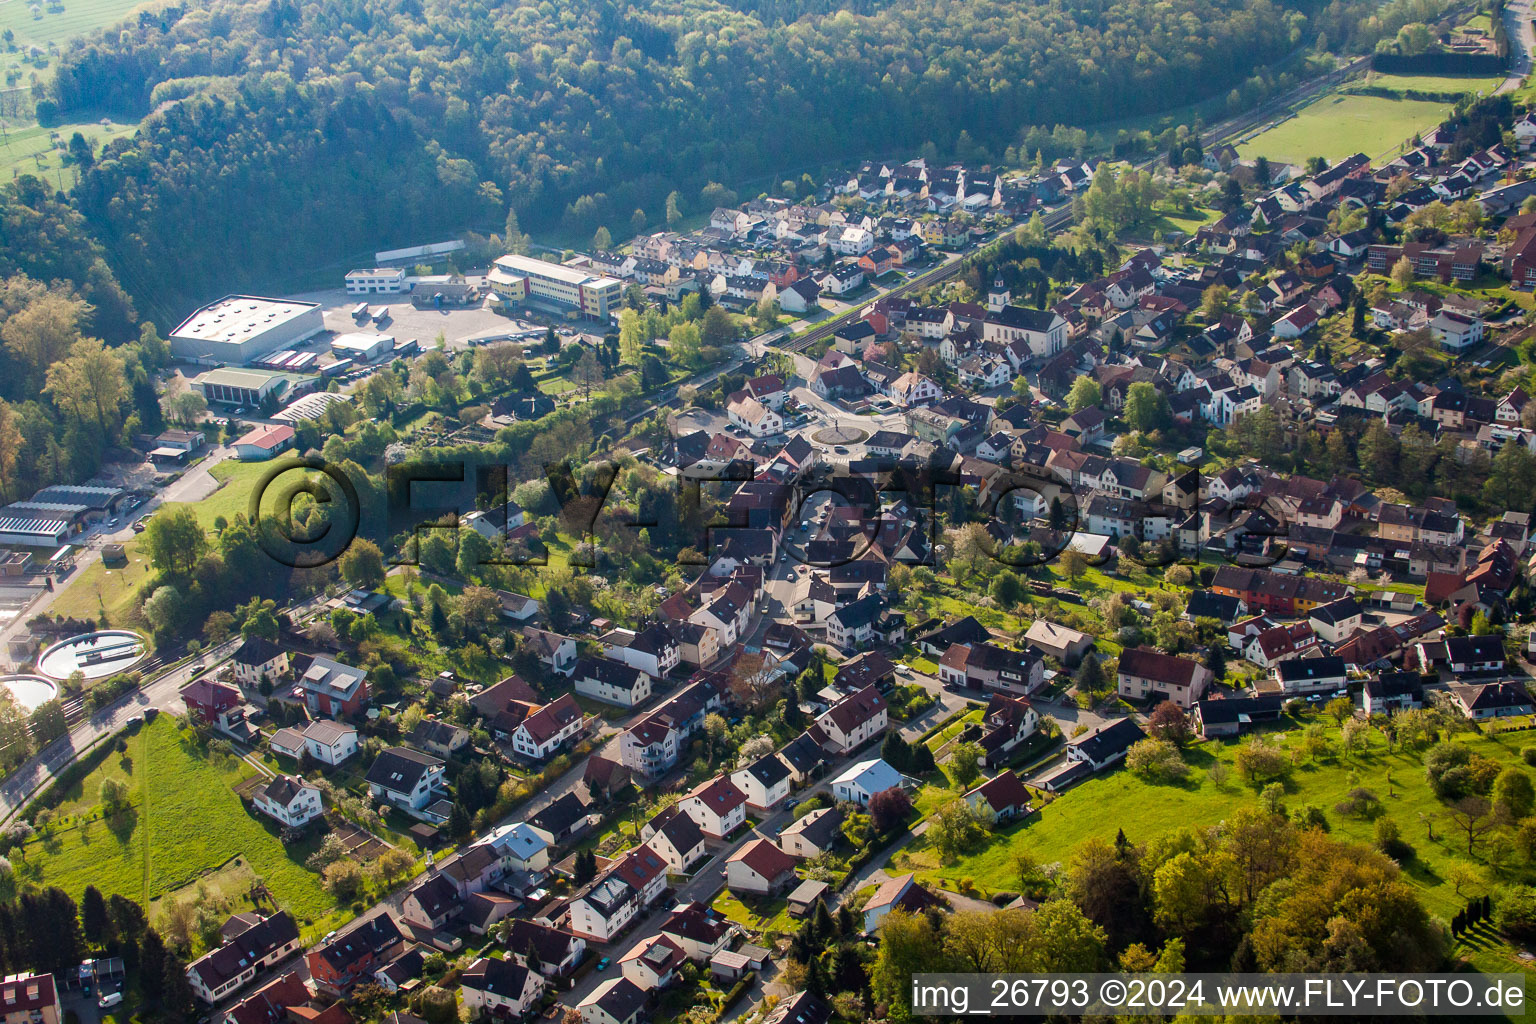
pixel 731 965
pixel 803 900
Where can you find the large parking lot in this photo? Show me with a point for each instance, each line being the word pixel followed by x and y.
pixel 461 327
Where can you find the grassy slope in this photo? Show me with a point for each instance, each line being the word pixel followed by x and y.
pixel 99 588
pixel 155 852
pixel 1121 800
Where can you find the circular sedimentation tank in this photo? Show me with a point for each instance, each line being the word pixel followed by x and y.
pixel 102 653
pixel 29 691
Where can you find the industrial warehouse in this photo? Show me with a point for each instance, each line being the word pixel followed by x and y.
pixel 239 328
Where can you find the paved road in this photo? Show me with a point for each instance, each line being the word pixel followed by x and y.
pixel 1522 41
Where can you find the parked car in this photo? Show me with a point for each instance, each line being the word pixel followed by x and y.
pixel 109 1000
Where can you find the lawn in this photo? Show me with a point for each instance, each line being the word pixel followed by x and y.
pixel 1119 799
pixel 99 590
pixel 153 851
pixel 756 914
pixel 953 729
pixel 1433 83
pixel 1337 126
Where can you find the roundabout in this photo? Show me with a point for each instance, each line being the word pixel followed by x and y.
pixel 839 435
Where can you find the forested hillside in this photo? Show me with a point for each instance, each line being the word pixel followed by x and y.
pixel 292 134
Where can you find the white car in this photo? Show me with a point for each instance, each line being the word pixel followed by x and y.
pixel 109 1000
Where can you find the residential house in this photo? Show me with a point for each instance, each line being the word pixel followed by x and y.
pixel 326 741
pixel 288 800
pixel 986 666
pixel 329 687
pixel 500 988
pixel 442 739
pixel 406 778
pixel 854 721
pixel 253 948
pixel 1105 743
pixel 1492 700
pixel 545 731
pixel 340 962
pixel 676 838
pixel 716 806
pixel 653 962
pixel 259 659
pixel 611 682
pixel 555 952
pixel 1001 798
pixel 1145 674
pixel 616 1001
pixel 765 782
pixel 861 781
pixel 759 868
pixel 29 999
pixel 1064 644
pixel 814 834
pixel 554 650
pixel 652 650
pixel 901 891
pixel 1393 691
pixel 1325 674
pixel 697 930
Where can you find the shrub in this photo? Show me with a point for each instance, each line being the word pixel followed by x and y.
pixel 1309 816
pixel 1360 803
pixel 1259 761
pixel 1157 760
pixel 1440 762
pixel 1515 912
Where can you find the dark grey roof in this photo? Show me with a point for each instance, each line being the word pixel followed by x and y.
pixel 1109 739
pixel 401 768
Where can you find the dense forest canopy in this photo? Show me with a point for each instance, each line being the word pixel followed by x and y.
pixel 288 134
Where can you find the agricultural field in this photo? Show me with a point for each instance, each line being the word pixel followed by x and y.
pixel 148 852
pixel 34 149
pixel 68 20
pixel 1145 810
pixel 1338 125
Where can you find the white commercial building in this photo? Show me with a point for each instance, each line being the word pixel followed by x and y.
pixel 377 281
pixel 519 278
pixel 363 346
pixel 239 328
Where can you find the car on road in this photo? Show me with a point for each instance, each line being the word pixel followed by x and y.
pixel 603 964
pixel 134 721
pixel 109 1000
pixel 840 449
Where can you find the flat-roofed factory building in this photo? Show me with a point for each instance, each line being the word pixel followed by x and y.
pixel 518 279
pixel 240 328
